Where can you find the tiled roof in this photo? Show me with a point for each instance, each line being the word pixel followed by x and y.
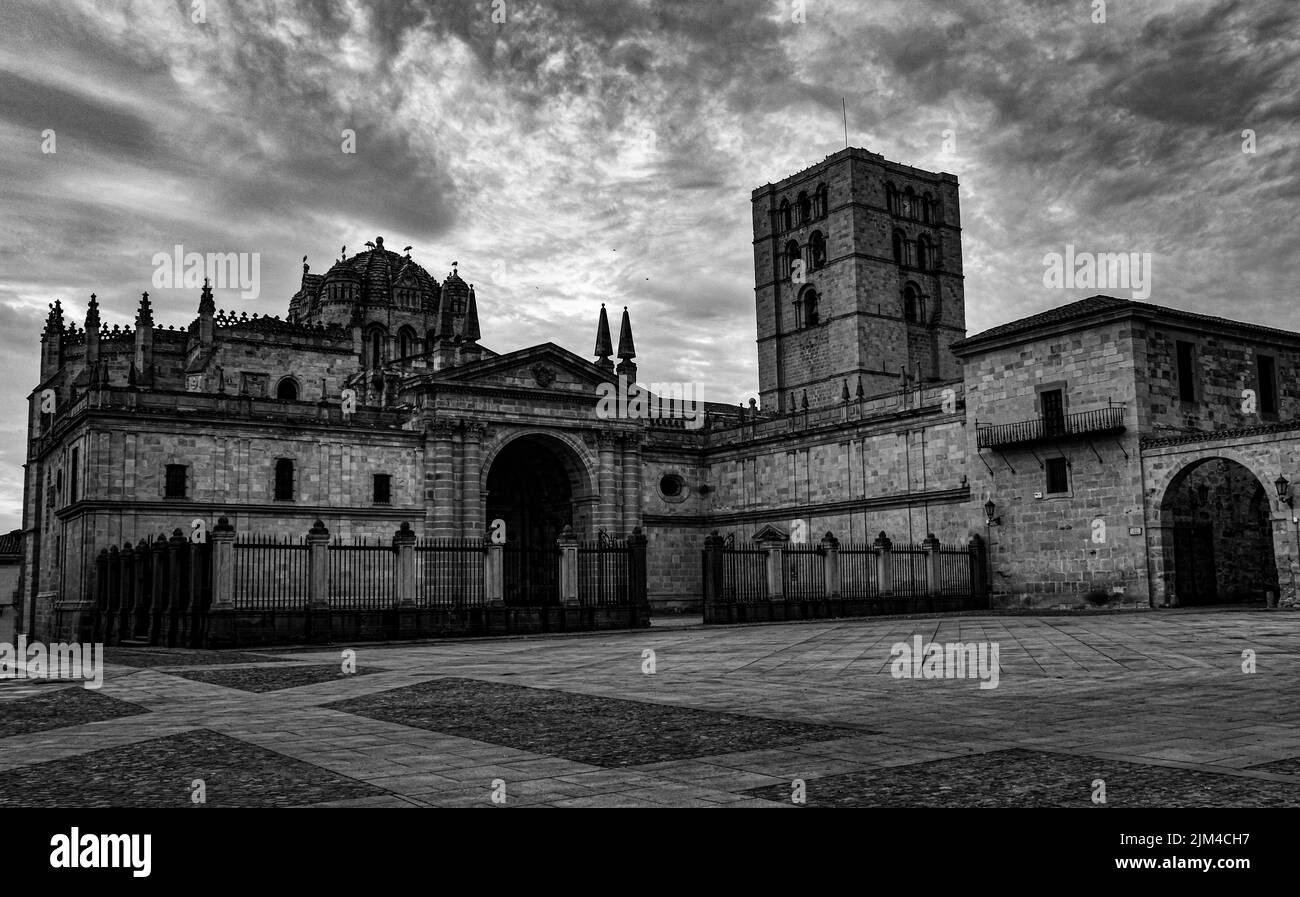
pixel 11 543
pixel 1097 305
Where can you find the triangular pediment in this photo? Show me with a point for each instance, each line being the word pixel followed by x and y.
pixel 546 366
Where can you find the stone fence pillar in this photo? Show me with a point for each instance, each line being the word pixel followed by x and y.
pixel 773 542
pixel 884 567
pixel 568 566
pixel 318 579
pixel 494 581
pixel 830 547
pixel 404 545
pixel 223 565
pixel 715 570
pixel 931 546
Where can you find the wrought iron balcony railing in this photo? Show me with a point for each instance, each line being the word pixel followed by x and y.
pixel 1046 429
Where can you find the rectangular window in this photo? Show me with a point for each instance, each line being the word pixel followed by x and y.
pixel 284 479
pixel 76 466
pixel 383 489
pixel 175 484
pixel 1267 384
pixel 1058 476
pixel 1186 372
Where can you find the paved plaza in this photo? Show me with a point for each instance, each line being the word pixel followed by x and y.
pixel 1156 705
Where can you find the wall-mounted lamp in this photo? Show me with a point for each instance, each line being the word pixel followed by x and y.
pixel 989 509
pixel 1283 486
pixel 1202 494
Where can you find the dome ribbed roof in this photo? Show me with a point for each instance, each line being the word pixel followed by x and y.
pixel 378 271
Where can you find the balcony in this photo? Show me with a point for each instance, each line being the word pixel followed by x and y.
pixel 1048 429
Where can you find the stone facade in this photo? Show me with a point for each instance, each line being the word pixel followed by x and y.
pixel 1084 426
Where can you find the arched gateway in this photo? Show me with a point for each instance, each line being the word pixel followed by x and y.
pixel 1218 535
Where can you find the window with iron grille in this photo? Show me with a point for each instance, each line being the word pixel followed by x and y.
pixel 284 479
pixel 383 489
pixel 1058 476
pixel 1186 372
pixel 175 482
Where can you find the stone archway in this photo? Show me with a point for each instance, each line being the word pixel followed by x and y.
pixel 1217 544
pixel 538 484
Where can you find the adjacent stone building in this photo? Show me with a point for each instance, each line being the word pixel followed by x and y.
pixel 1111 451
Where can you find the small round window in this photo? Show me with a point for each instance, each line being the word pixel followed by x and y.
pixel 671 486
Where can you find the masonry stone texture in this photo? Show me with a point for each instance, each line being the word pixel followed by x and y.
pixel 1111 452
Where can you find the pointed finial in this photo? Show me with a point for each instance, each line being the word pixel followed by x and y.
pixel 470 330
pixel 604 346
pixel 144 314
pixel 626 350
pixel 844 393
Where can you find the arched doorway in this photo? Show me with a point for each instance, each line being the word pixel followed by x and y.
pixel 538 485
pixel 1218 531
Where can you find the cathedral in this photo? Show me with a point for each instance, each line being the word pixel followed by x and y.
pixel 1110 451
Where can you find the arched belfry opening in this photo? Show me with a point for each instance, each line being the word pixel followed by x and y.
pixel 1218 535
pixel 538 484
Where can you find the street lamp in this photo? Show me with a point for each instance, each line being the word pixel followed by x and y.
pixel 1283 487
pixel 989 509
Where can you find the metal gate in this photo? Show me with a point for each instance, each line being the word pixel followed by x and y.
pixel 531 575
pixel 1194 571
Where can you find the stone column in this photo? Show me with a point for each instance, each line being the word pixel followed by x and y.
pixel 631 482
pixel 223 565
pixel 473 523
pixel 404 545
pixel 714 570
pixel 440 491
pixel 831 564
pixel 568 566
pixel 607 507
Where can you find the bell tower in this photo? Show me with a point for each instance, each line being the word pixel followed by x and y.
pixel 858 281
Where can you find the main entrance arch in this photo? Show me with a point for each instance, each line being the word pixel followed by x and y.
pixel 538 484
pixel 1217 535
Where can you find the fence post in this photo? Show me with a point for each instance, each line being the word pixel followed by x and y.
pixel 568 566
pixel 831 564
pixel 978 568
pixel 404 545
pixel 494 580
pixel 773 542
pixel 636 568
pixel 103 605
pixel 318 575
pixel 157 583
pixel 715 570
pixel 165 610
pixel 883 565
pixel 223 565
pixel 135 581
pixel 931 546
pixel 119 590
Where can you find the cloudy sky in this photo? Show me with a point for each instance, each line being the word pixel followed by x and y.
pixel 583 151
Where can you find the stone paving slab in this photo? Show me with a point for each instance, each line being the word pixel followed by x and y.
pixel 1157 701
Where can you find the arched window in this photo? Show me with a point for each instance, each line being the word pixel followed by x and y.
pixel 898 246
pixel 429 339
pixel 819 202
pixel 805 208
pixel 788 260
pixel 808 310
pixel 913 305
pixel 892 198
pixel 784 217
pixel 287 390
pixel 817 251
pixel 923 252
pixel 927 208
pixel 406 341
pixel 376 348
pixel 909 202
